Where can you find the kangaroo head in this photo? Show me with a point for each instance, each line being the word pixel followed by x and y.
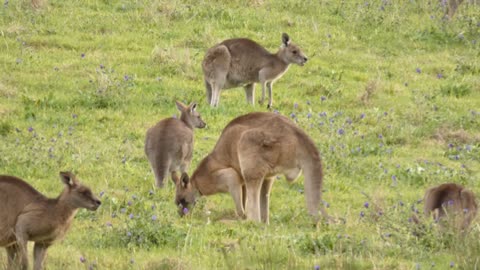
pixel 291 53
pixel 190 115
pixel 185 195
pixel 78 195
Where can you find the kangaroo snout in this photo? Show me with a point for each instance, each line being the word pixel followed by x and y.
pixel 202 124
pixel 96 204
pixel 303 61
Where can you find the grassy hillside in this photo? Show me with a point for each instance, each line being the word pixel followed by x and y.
pixel 390 95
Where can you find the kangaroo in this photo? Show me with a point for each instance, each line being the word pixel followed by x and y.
pixel 451 199
pixel 169 144
pixel 451 7
pixel 250 152
pixel 243 62
pixel 27 215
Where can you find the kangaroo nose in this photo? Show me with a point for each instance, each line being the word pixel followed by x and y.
pixel 98 202
pixel 305 59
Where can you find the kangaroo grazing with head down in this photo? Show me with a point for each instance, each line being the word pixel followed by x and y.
pixel 169 144
pixel 451 201
pixel 27 215
pixel 243 62
pixel 250 152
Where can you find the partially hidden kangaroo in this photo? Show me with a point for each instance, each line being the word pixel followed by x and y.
pixel 451 201
pixel 243 62
pixel 169 144
pixel 27 215
pixel 250 152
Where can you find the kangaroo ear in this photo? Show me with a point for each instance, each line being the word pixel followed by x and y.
pixel 285 39
pixel 68 178
pixel 180 106
pixel 193 106
pixel 184 179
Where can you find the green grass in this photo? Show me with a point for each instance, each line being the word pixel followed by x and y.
pixel 390 95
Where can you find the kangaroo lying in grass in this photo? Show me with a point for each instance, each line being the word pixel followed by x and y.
pixel 250 152
pixel 27 215
pixel 243 62
pixel 169 144
pixel 453 202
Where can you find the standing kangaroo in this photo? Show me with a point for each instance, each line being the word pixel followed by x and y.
pixel 169 144
pixel 243 62
pixel 27 215
pixel 451 201
pixel 250 152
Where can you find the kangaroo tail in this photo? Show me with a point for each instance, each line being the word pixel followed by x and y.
pixel 313 174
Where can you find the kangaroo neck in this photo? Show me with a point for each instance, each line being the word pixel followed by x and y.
pixel 187 123
pixel 64 206
pixel 281 56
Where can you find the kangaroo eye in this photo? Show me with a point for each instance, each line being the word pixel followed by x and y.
pixel 294 52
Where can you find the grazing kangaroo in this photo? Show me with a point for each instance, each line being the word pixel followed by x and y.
pixel 452 201
pixel 27 215
pixel 250 152
pixel 169 144
pixel 243 62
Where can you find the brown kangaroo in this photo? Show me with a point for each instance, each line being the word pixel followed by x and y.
pixel 451 7
pixel 27 215
pixel 451 201
pixel 250 152
pixel 169 144
pixel 243 62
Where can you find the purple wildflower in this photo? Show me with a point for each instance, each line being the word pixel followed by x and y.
pixel 131 216
pixel 102 66
pixel 362 214
pixel 418 70
pixel 129 234
pixel 30 129
pixel 316 267
pixel 295 105
pixel 323 98
pixel 366 204
pixel 102 193
pixel 185 211
pixel 341 131
pixel 439 75
pixel 154 217
pixel 82 259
